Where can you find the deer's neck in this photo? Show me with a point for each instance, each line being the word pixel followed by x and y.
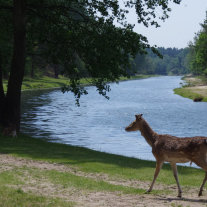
pixel 148 133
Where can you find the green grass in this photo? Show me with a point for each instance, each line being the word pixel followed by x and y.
pixel 10 178
pixel 41 83
pixel 13 181
pixel 136 77
pixel 187 93
pixel 46 82
pixel 85 161
pixel 80 183
pixel 10 197
pixel 91 161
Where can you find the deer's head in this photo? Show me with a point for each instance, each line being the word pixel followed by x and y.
pixel 135 125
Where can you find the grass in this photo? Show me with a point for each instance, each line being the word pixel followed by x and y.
pixel 192 90
pixel 80 183
pixel 17 197
pixel 91 161
pixel 10 196
pixel 46 82
pixel 189 93
pixel 41 83
pixel 86 161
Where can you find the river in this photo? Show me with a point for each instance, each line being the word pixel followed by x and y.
pixel 99 123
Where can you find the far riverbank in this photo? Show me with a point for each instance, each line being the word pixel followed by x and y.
pixel 46 82
pixel 195 88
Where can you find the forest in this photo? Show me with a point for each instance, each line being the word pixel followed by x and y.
pixel 172 61
pixel 198 51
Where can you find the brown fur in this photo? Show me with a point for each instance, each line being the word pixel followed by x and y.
pixel 198 99
pixel 168 148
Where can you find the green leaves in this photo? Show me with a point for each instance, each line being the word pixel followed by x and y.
pixel 147 11
pixel 198 51
pixel 80 37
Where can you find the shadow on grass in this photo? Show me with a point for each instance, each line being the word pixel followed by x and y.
pixel 34 148
pixel 193 200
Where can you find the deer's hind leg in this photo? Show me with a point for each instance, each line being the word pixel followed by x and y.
pixel 201 188
pixel 203 164
pixel 157 170
pixel 175 173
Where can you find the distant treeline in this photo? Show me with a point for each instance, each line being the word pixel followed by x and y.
pixel 198 51
pixel 192 59
pixel 174 61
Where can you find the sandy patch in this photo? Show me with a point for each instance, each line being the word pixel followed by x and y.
pixel 202 90
pixel 41 186
pixel 194 81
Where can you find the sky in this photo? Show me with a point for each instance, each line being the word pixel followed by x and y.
pixel 179 29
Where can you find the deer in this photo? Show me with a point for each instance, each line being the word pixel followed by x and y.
pixel 172 149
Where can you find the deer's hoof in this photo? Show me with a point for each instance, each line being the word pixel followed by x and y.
pixel 179 195
pixel 148 191
pixel 200 193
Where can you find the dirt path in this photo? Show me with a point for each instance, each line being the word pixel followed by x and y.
pixel 97 199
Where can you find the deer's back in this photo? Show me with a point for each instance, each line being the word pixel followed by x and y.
pixel 176 149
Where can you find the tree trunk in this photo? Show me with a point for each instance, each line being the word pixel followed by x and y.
pixel 2 96
pixel 32 66
pixel 13 96
pixel 56 70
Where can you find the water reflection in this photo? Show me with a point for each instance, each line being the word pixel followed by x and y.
pixel 99 124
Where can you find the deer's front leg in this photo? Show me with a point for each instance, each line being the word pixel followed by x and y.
pixel 175 173
pixel 157 170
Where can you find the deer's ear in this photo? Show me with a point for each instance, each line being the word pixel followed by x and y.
pixel 138 116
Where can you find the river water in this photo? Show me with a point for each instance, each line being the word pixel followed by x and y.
pixel 99 123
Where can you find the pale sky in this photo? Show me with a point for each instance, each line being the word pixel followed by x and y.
pixel 179 28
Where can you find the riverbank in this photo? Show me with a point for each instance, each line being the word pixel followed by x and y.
pixel 195 88
pixel 46 82
pixel 35 172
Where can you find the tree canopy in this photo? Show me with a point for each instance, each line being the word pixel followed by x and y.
pixel 65 33
pixel 198 51
pixel 174 61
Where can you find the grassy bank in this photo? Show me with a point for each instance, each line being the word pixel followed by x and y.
pixel 39 167
pixel 46 82
pixel 195 88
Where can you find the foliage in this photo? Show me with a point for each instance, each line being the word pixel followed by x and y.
pixel 70 36
pixel 66 33
pixel 173 62
pixel 198 51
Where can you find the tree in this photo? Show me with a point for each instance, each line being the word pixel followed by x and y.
pixel 173 62
pixel 65 32
pixel 198 51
